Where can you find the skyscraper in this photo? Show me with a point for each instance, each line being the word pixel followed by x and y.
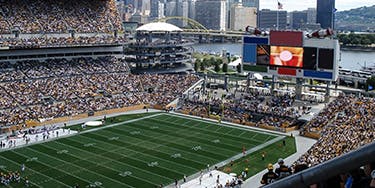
pixel 212 14
pixel 241 17
pixel 251 3
pixel 298 19
pixel 267 19
pixel 177 8
pixel 325 13
pixel 157 9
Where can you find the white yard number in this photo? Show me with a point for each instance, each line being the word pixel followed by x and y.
pixel 89 144
pixel 62 151
pixel 113 138
pixel 153 164
pixel 135 132
pixel 126 173
pixel 32 159
pixel 176 155
pixel 196 148
pixel 216 141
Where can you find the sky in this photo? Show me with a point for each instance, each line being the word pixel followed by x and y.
pixel 291 5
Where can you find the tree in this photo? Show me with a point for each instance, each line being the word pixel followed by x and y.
pixel 202 65
pixel 370 83
pixel 239 68
pixel 217 67
pixel 219 61
pixel 197 65
pixel 225 67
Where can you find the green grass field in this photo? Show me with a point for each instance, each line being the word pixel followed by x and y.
pixel 143 153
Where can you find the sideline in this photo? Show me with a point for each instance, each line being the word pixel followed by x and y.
pixel 74 133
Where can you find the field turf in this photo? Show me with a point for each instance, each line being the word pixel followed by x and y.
pixel 144 152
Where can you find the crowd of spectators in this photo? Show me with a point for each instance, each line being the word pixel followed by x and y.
pixel 276 111
pixel 58 88
pixel 344 125
pixel 44 42
pixel 51 16
pixel 34 20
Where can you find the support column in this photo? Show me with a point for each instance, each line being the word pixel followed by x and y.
pixel 299 82
pixel 328 91
pixel 226 82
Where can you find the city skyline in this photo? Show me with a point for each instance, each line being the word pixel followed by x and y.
pixel 292 5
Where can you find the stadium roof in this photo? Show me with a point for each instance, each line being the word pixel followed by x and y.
pixel 158 26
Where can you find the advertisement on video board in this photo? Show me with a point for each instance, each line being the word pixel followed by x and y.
pixel 283 56
pixel 263 54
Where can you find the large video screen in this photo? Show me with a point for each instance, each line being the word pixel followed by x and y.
pixel 325 58
pixel 284 56
pixel 310 58
pixel 263 54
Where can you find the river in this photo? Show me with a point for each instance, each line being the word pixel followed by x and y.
pixel 349 59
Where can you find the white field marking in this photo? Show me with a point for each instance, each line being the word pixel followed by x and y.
pixel 216 141
pixel 176 155
pixel 114 138
pixel 46 164
pixel 242 133
pixel 189 130
pixel 248 128
pixel 129 155
pixel 62 151
pixel 154 127
pixel 74 134
pixel 88 144
pixel 137 158
pixel 31 159
pixel 135 132
pixel 36 172
pixel 161 145
pixel 196 148
pixel 227 134
pixel 126 173
pixel 84 169
pixel 121 123
pixel 123 164
pixel 153 164
pixel 3 167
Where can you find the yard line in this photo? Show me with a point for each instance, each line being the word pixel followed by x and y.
pixel 222 124
pixel 223 134
pixel 133 158
pixel 181 131
pixel 83 169
pixel 54 168
pixel 188 141
pixel 36 172
pixel 161 145
pixel 242 133
pixel 126 164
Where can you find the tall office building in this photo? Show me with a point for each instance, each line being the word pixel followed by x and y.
pixel 191 11
pixel 177 8
pixel 212 14
pixel 311 15
pixel 325 13
pixel 267 19
pixel 157 9
pixel 298 19
pixel 241 17
pixel 251 3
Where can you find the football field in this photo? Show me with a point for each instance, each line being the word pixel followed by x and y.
pixel 143 152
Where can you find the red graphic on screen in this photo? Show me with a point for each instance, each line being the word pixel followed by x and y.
pixel 286 56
